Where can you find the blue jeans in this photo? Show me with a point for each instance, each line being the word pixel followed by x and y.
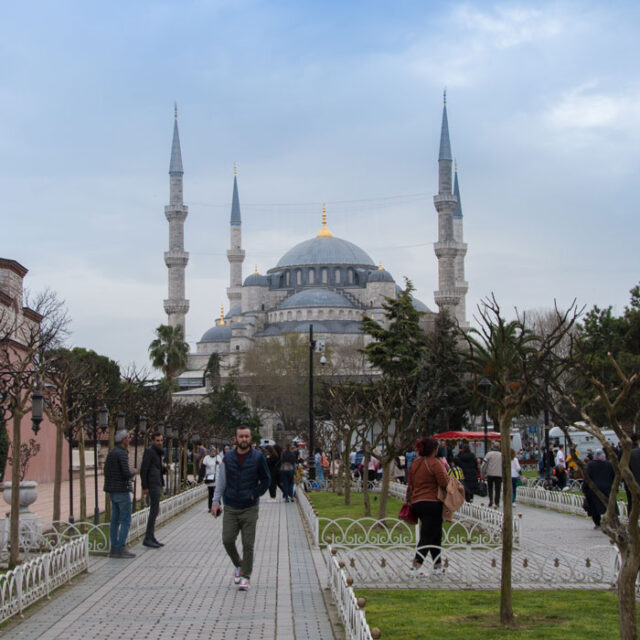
pixel 120 519
pixel 320 474
pixel 287 483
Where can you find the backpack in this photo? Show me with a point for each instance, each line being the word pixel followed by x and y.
pixel 324 462
pixel 456 472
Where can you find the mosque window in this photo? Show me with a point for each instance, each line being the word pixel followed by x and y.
pixel 287 278
pixel 309 314
pixel 262 307
pixel 350 276
pixel 337 276
pixel 325 275
pixel 320 314
pixel 237 347
pixel 312 276
pixel 288 315
pixel 298 276
pixel 298 315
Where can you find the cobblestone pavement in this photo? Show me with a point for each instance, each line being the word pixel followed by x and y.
pixel 185 590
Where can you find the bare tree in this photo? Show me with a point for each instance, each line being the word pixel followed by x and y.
pixel 25 333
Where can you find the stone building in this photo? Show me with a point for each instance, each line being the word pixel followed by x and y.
pixel 325 281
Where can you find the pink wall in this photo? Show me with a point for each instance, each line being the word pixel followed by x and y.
pixel 42 467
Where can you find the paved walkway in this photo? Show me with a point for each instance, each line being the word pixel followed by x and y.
pixel 185 590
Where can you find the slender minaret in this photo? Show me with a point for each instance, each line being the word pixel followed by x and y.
pixel 176 258
pixel 461 284
pixel 446 249
pixel 235 255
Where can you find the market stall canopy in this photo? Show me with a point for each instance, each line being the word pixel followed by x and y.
pixel 466 435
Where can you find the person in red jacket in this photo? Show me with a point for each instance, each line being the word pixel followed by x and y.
pixel 427 473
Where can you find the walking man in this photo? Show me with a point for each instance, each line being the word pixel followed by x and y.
pixel 492 471
pixel 151 472
pixel 117 478
pixel 242 478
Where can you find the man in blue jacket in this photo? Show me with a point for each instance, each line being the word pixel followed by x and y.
pixel 242 478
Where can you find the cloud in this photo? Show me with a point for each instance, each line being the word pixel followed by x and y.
pixel 583 107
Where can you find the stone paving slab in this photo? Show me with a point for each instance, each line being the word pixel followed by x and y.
pixel 186 589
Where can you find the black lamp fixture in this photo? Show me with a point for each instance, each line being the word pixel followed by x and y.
pixel 484 386
pixel 37 408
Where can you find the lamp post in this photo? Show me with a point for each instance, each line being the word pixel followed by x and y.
pixel 547 451
pixel 99 420
pixel 169 432
pixel 140 430
pixel 485 387
pixel 317 346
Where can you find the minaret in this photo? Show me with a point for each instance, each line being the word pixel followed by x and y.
pixel 235 255
pixel 446 249
pixel 461 284
pixel 176 258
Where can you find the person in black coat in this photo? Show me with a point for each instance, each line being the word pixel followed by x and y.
pixel 601 472
pixel 634 466
pixel 151 472
pixel 469 465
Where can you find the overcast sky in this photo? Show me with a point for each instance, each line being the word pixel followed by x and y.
pixel 337 102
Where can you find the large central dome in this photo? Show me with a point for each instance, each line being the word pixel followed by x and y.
pixel 325 250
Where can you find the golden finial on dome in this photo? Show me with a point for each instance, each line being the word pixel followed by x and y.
pixel 255 271
pixel 380 266
pixel 235 168
pixel 222 322
pixel 324 232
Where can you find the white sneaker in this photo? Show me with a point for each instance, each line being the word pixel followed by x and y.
pixel 237 575
pixel 244 584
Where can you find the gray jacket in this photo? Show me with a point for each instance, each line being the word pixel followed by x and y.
pixel 492 465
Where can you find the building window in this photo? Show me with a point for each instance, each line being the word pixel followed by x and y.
pixel 298 276
pixel 325 275
pixel 350 276
pixel 237 347
pixel 312 276
pixel 287 278
pixel 337 276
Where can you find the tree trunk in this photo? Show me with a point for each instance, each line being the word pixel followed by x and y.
pixel 506 604
pixel 346 467
pixel 57 478
pixel 14 548
pixel 365 484
pixel 82 476
pixel 627 592
pixel 384 490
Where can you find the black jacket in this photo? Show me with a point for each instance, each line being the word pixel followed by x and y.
pixel 151 469
pixel 116 471
pixel 247 482
pixel 469 465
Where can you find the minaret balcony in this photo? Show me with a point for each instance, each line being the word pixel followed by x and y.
pixel 176 306
pixel 447 298
pixel 176 212
pixel 235 255
pixel 445 249
pixel 176 258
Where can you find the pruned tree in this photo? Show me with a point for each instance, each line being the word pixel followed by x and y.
pixel 518 364
pixel 25 333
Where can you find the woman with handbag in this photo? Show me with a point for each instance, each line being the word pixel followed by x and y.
pixel 425 476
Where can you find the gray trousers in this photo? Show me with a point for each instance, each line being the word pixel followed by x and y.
pixel 243 522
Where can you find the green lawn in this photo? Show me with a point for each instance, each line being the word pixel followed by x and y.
pixel 331 506
pixel 474 615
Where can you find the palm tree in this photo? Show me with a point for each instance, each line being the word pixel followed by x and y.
pixel 168 352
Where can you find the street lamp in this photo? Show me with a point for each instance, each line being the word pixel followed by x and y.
pixel 318 347
pixel 484 386
pixel 99 420
pixel 169 434
pixel 140 430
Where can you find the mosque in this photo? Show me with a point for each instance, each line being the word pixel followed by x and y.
pixel 325 281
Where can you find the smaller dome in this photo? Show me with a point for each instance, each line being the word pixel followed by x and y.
pixel 256 280
pixel 420 306
pixel 219 333
pixel 317 297
pixel 236 310
pixel 380 275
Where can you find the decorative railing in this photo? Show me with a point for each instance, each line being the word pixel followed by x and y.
pixel 98 534
pixel 472 522
pixel 39 576
pixel 473 566
pixel 559 500
pixel 352 615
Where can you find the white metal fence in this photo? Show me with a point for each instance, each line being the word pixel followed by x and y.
pixel 559 500
pixel 36 578
pixel 98 534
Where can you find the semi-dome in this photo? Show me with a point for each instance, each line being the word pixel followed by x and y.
pixel 316 297
pixel 325 250
pixel 256 280
pixel 380 275
pixel 219 333
pixel 418 305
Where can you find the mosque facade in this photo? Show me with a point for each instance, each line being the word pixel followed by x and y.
pixel 325 281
